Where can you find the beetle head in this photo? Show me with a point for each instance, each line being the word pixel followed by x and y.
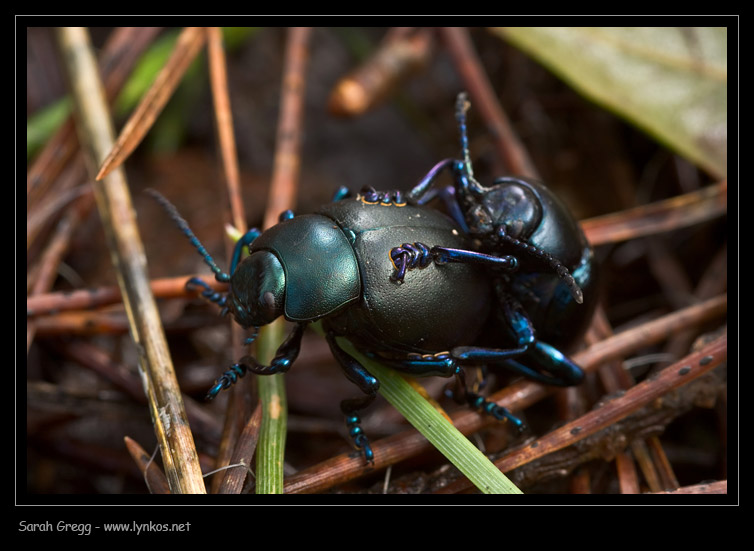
pixel 511 203
pixel 257 290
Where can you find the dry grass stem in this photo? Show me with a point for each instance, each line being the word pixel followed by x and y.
pixel 127 253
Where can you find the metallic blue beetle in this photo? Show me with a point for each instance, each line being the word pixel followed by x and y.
pixel 543 268
pixel 341 266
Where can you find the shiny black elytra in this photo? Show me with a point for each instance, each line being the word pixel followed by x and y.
pixel 335 266
pixel 341 266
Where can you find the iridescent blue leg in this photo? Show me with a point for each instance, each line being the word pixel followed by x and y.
pixel 246 240
pixel 560 369
pixel 443 255
pixel 421 192
pixel 368 384
pixel 544 363
pixel 341 193
pixel 411 256
pixel 445 365
pixel 480 403
pixel 463 173
pixel 371 196
pixel 447 194
pixel 286 215
pixel 284 357
pixel 441 364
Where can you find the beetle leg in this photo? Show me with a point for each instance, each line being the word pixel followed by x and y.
pixel 418 255
pixel 553 367
pixel 284 357
pixel 442 255
pixel 441 364
pixel 542 256
pixel 368 384
pixel 476 401
pixel 246 240
pixel 341 193
pixel 423 192
pixel 548 364
pixel 371 196
pixel 444 364
pixel 463 172
pixel 407 257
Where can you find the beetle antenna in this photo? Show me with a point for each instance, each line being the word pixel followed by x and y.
pixel 462 105
pixel 184 227
pixel 554 264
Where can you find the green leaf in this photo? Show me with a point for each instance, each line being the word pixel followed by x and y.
pixel 669 81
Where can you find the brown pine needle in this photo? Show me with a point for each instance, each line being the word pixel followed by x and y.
pixel 245 447
pixel 224 124
pixel 187 47
pixel 153 476
pixel 692 366
pixel 670 214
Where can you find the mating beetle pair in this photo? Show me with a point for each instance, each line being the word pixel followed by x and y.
pixel 416 289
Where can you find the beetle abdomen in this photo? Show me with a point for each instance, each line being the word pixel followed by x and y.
pixel 435 308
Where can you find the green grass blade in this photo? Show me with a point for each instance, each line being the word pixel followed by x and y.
pixel 271 446
pixel 435 427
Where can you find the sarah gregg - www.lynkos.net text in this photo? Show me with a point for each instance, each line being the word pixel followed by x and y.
pixel 86 528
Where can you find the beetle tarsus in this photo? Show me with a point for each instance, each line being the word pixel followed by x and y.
pixel 478 402
pixel 285 356
pixel 371 196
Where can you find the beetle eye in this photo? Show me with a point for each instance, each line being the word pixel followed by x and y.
pixel 268 301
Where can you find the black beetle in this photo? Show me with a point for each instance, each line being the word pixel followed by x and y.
pixel 335 266
pixel 340 266
pixel 544 270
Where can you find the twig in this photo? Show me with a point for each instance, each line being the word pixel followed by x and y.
pixel 284 185
pixel 54 254
pixel 718 487
pixel 224 124
pixel 97 360
pixel 677 212
pixel 689 368
pixel 127 253
pixel 402 53
pixel 86 299
pixel 236 411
